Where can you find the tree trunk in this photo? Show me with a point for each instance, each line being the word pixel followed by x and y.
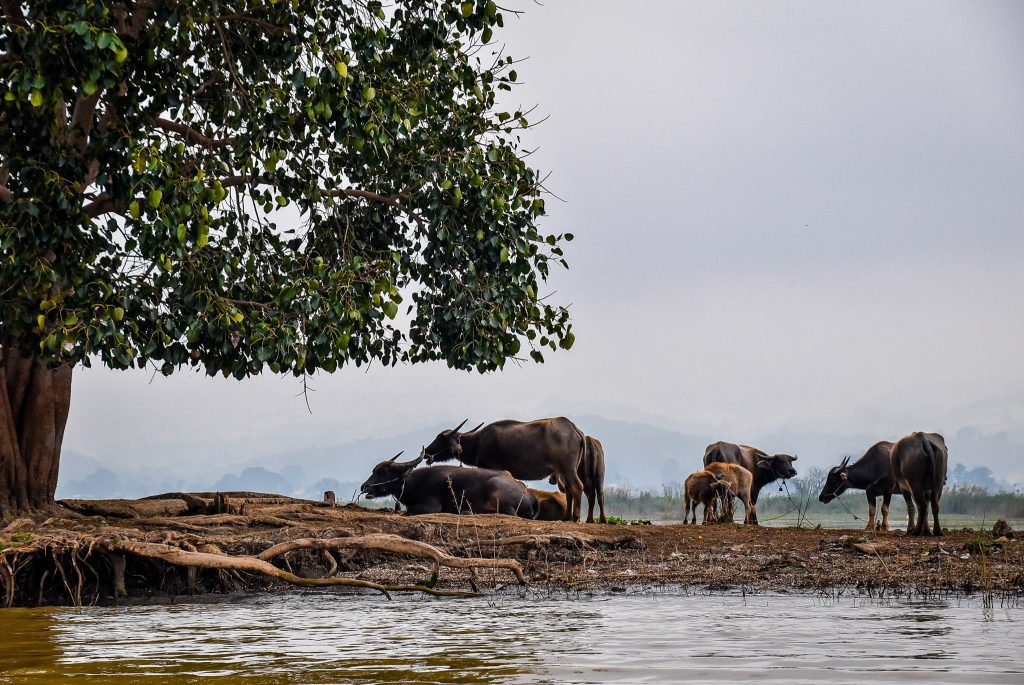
pixel 34 404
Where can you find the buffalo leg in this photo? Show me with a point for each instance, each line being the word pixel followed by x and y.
pixel 686 509
pixel 886 498
pixel 750 517
pixel 921 527
pixel 590 504
pixel 937 529
pixel 910 510
pixel 573 497
pixel 871 512
pixel 600 504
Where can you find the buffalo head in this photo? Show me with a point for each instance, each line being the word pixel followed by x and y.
pixel 836 483
pixel 447 444
pixel 387 477
pixel 779 465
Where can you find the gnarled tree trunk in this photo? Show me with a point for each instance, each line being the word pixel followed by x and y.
pixel 34 404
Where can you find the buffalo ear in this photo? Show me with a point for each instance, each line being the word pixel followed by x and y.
pixel 764 464
pixel 397 456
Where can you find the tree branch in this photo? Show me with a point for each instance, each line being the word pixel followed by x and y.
pixel 190 134
pixel 5 193
pixel 130 24
pixel 13 13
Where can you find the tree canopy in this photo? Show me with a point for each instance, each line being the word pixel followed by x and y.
pixel 286 185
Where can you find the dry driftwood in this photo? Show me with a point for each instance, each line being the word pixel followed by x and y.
pixel 127 508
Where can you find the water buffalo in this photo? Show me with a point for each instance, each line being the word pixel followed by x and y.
pixel 872 473
pixel 449 489
pixel 765 468
pixel 529 450
pixel 550 504
pixel 591 473
pixel 740 483
pixel 919 467
pixel 703 487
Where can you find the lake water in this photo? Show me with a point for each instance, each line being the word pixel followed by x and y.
pixel 341 638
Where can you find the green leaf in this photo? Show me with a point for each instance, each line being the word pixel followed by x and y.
pixel 467 8
pixel 369 93
pixel 133 209
pixel 155 197
pixel 390 309
pixel 342 69
pixel 118 313
pixel 504 254
pixel 568 340
pixel 36 98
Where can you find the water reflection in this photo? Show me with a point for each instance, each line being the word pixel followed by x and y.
pixel 331 638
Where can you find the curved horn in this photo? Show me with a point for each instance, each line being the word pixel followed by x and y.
pixel 456 429
pixel 397 456
pixel 417 460
pixel 477 428
pixel 846 460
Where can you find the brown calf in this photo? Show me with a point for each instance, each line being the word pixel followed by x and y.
pixel 703 487
pixel 740 483
pixel 550 504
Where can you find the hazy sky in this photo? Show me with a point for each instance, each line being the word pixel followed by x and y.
pixel 789 216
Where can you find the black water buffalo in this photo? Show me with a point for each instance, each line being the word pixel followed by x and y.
pixel 591 473
pixel 919 467
pixel 528 450
pixel 872 473
pixel 449 489
pixel 764 467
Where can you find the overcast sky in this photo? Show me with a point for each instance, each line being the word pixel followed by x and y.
pixel 788 216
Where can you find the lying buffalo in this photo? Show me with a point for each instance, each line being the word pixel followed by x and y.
pixel 528 450
pixel 765 468
pixel 872 473
pixel 449 489
pixel 591 473
pixel 550 504
pixel 919 467
pixel 740 483
pixel 704 487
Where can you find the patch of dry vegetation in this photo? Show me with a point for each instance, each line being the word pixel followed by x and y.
pixel 243 542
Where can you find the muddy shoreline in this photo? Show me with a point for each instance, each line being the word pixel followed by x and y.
pixel 74 560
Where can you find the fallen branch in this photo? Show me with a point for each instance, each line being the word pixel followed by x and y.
pixel 180 557
pixel 393 543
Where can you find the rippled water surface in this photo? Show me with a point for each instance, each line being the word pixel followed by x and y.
pixel 338 638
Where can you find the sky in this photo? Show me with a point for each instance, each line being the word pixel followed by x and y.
pixel 789 216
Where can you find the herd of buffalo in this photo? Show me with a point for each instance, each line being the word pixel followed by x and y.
pixel 505 453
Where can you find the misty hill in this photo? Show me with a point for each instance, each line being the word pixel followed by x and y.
pixel 640 456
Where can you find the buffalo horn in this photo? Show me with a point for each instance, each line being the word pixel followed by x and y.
pixel 477 428
pixel 456 429
pixel 397 456
pixel 846 460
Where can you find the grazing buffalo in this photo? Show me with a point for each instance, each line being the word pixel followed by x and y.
pixel 449 489
pixel 591 473
pixel 550 504
pixel 919 467
pixel 740 483
pixel 872 473
pixel 529 450
pixel 703 487
pixel 765 468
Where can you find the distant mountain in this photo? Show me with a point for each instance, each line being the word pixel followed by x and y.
pixel 639 456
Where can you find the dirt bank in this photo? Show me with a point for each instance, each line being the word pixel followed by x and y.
pixel 153 548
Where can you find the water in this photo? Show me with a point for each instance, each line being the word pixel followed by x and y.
pixel 341 638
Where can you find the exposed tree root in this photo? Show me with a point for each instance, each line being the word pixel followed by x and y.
pixel 393 543
pixel 180 557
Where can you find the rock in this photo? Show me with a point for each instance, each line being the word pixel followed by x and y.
pixel 1002 529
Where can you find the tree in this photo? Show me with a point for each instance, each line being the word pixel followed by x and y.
pixel 240 186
